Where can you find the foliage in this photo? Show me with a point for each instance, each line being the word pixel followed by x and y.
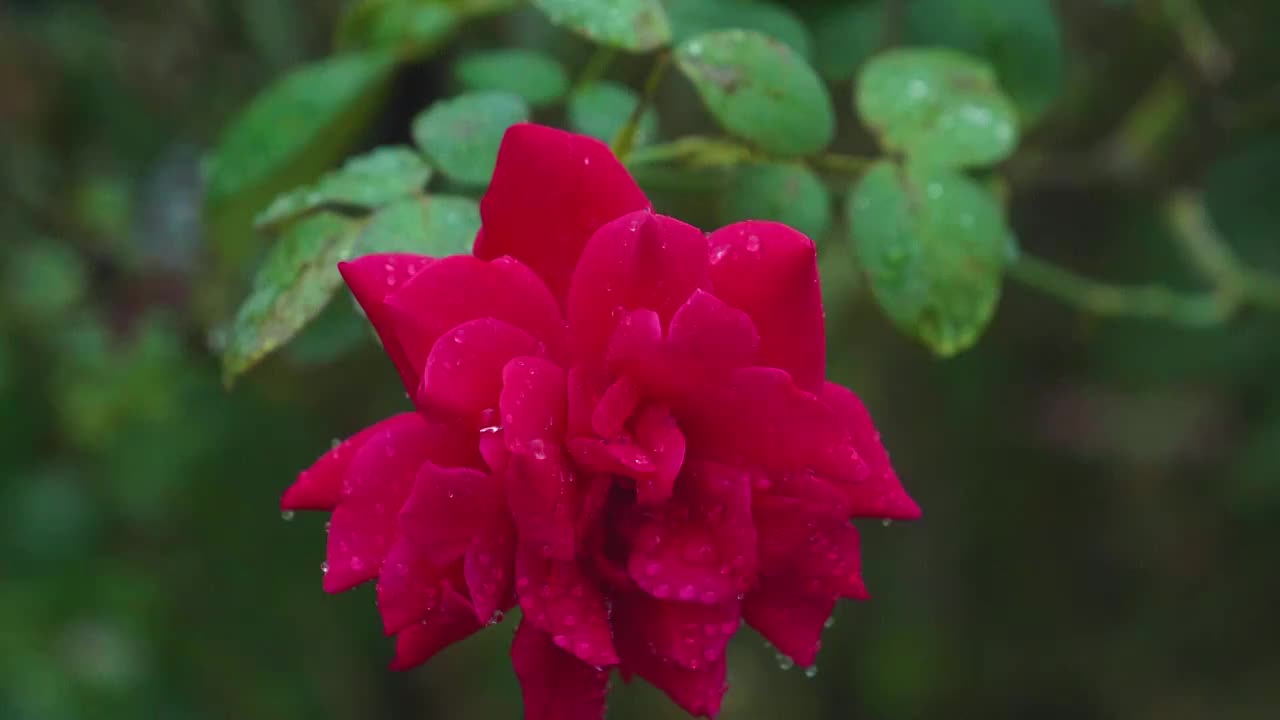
pixel 1072 202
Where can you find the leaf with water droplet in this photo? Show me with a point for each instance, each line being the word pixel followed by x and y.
pixel 462 134
pixel 694 17
pixel 632 25
pixel 787 193
pixel 601 109
pixel 939 107
pixel 434 225
pixel 292 286
pixel 760 90
pixel 933 244
pixel 536 77
pixel 364 182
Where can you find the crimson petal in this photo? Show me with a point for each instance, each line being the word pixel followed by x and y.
pixel 464 370
pixel 709 335
pixel 880 495
pixel 408 587
pixel 532 403
pixel 791 620
pixel 319 486
pixel 374 488
pixel 542 492
pixel 689 634
pixel 447 508
pixel 452 621
pixel 373 279
pixel 558 599
pixel 698 691
pixel 771 272
pixel 550 191
pixel 817 552
pixel 555 684
pixel 639 260
pixel 489 567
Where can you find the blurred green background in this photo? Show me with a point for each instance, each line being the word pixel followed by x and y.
pixel 1102 497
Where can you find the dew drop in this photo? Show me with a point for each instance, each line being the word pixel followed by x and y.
pixel 286 515
pixel 784 661
pixel 753 243
pixel 886 522
pixel 811 672
pixel 829 623
pixel 687 592
pixel 324 567
pixel 496 617
pixel 538 449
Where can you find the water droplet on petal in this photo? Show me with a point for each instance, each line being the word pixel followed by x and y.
pixel 538 449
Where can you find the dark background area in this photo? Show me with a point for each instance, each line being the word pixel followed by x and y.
pixel 1101 497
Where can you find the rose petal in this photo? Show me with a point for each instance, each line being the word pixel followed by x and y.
pixel 639 260
pixel 532 404
pixel 542 493
pixel 408 587
pixel 791 620
pixel 758 415
pixel 616 406
pixel 559 600
pixel 452 621
pixel 489 567
pixel 880 495
pixel 555 685
pixel 818 553
pixel 550 191
pixel 707 335
pixel 587 383
pixel 372 279
pixel 459 288
pixel 319 486
pixel 464 370
pixel 771 272
pixel 689 634
pixel 375 486
pixel 702 546
pixel 447 509
pixel 698 691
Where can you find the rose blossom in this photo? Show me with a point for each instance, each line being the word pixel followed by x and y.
pixel 622 425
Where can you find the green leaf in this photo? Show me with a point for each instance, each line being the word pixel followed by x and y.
pixel 632 25
pixel 532 75
pixel 938 106
pixel 790 194
pixel 601 109
pixel 280 126
pixel 695 17
pixel 293 285
pixel 933 243
pixel 760 90
pixel 366 182
pixel 845 36
pixel 1020 38
pixel 462 135
pixel 435 225
pixel 412 29
pixel 337 330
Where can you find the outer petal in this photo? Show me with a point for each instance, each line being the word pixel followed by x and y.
pixel 639 260
pixel 532 403
pixel 702 546
pixel 319 486
pixel 489 567
pixel 817 552
pixel 708 334
pixel 559 600
pixel 550 191
pixel 459 288
pixel 409 587
pixel 688 634
pixel 379 479
pixel 452 621
pixel 373 279
pixel 542 492
pixel 880 495
pixel 447 509
pixel 791 620
pixel 464 370
pixel 759 415
pixel 555 684
pixel 698 691
pixel 771 272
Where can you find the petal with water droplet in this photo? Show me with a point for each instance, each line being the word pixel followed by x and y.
pixel 463 373
pixel 698 691
pixel 555 684
pixel 558 599
pixel 489 569
pixel 532 404
pixel 447 508
pixel 791 620
pixel 452 621
pixel 881 495
pixel 319 486
pixel 373 279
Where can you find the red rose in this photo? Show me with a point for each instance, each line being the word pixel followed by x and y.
pixel 622 425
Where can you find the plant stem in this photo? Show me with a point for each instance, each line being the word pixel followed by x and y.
pixel 626 136
pixel 595 68
pixel 1153 302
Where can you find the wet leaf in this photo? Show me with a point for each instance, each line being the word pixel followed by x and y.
pixel 365 182
pixel 633 25
pixel 790 194
pixel 276 131
pixel 760 90
pixel 939 107
pixel 601 109
pixel 435 225
pixel 462 135
pixel 534 76
pixel 933 244
pixel 293 285
pixel 694 17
